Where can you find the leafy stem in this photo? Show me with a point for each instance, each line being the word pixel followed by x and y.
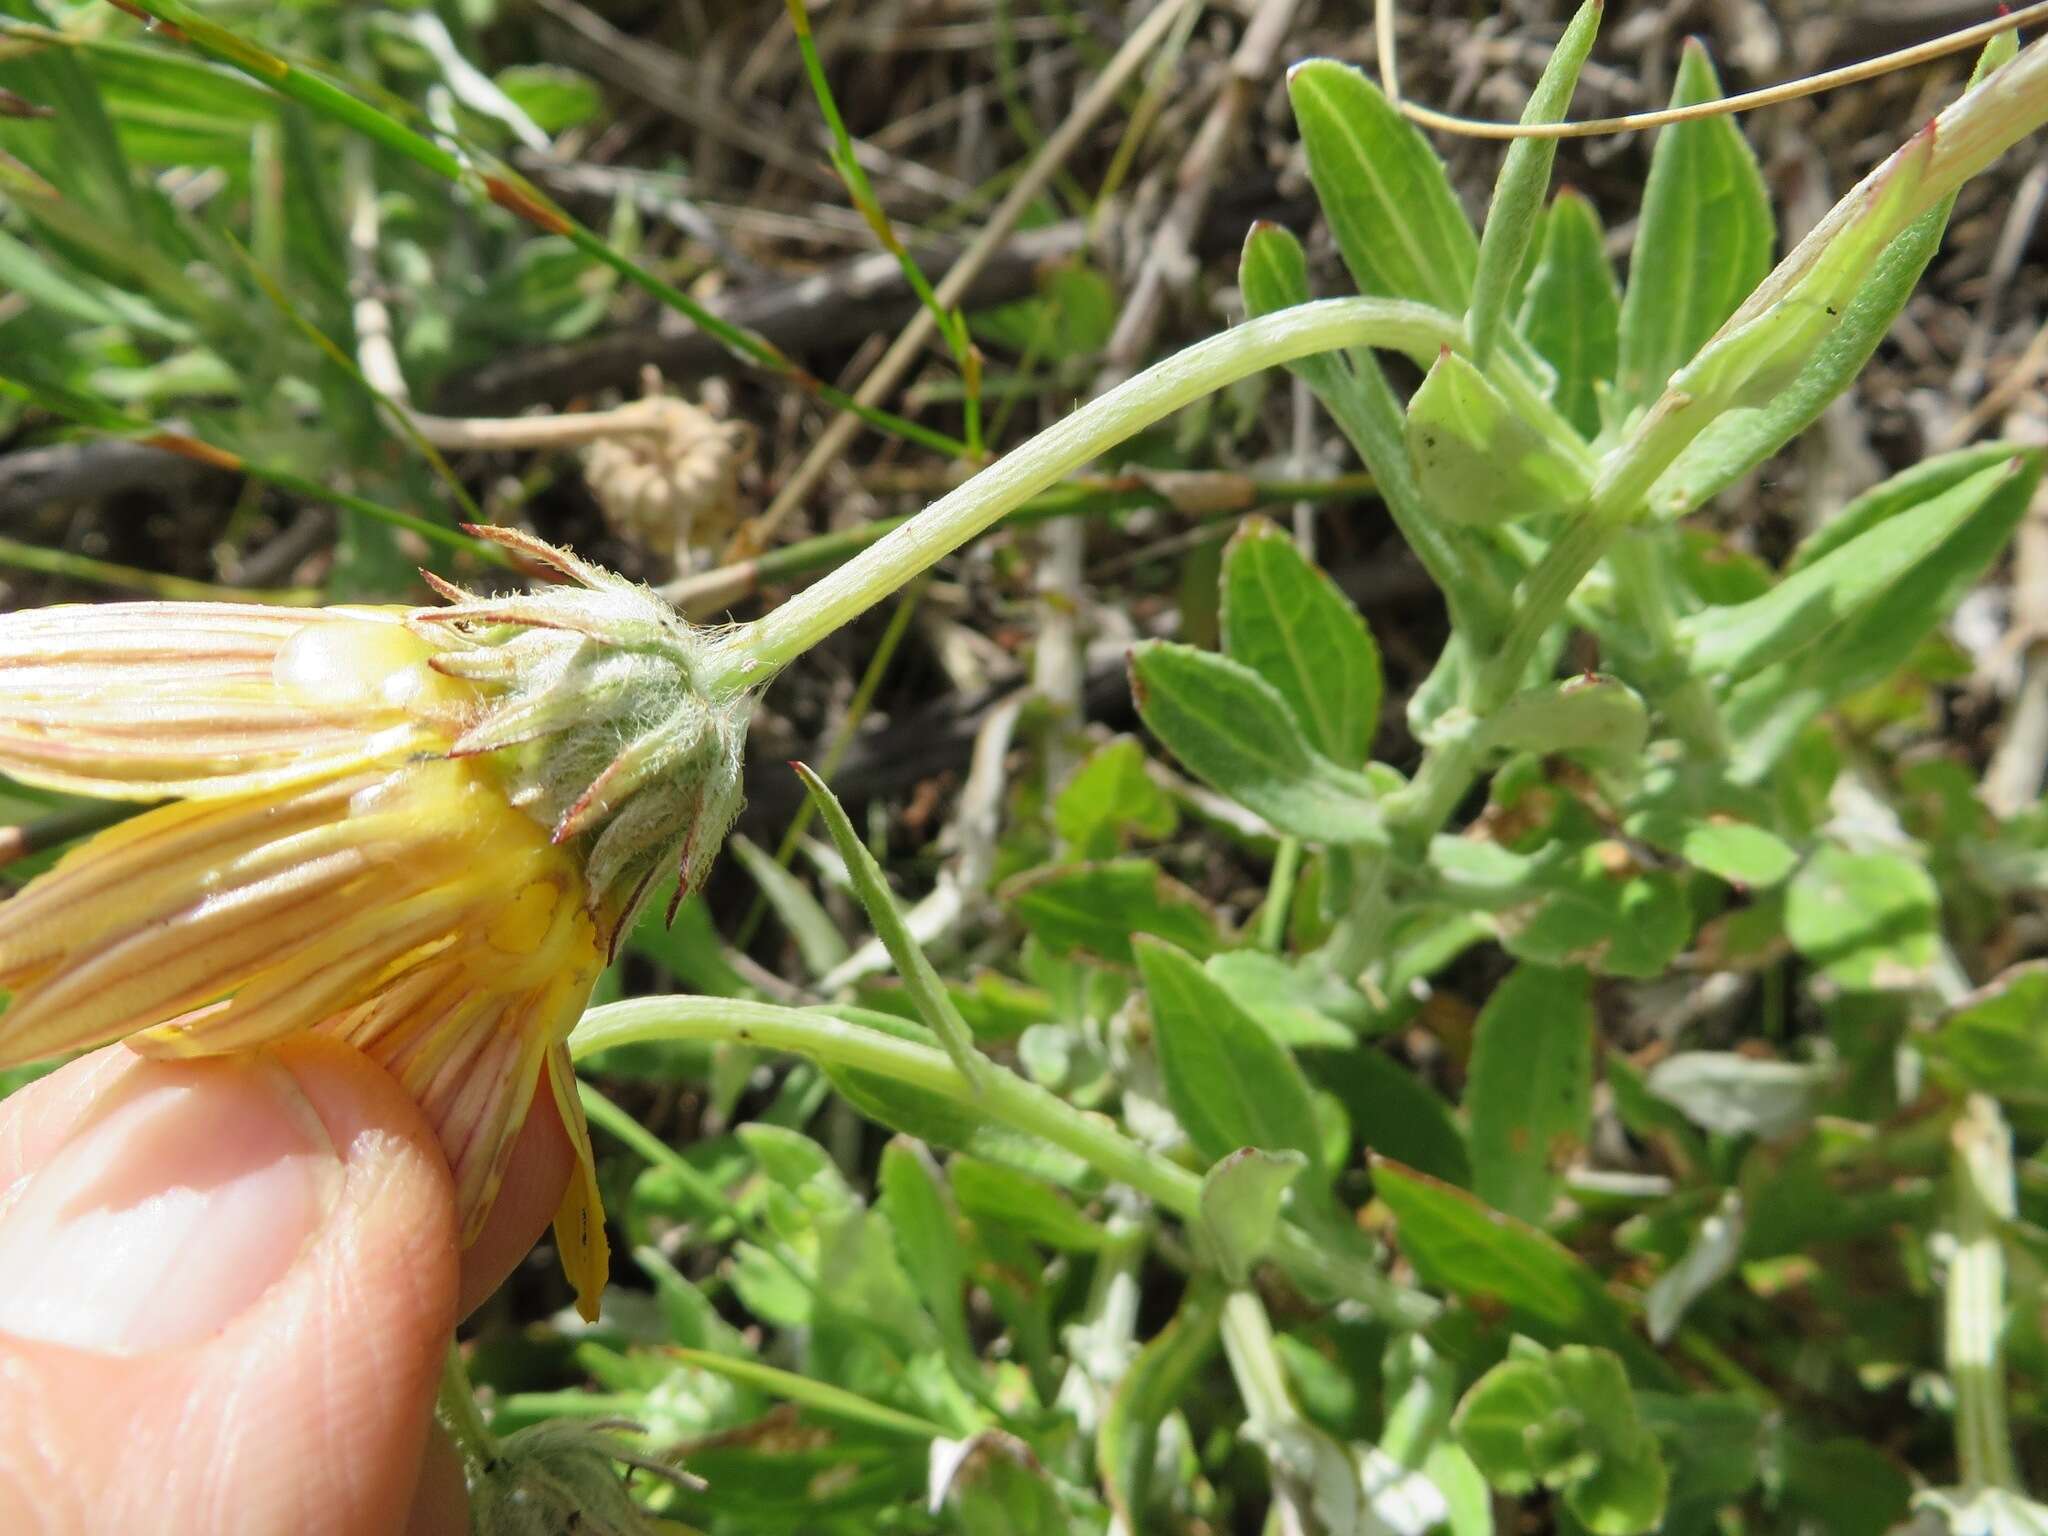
pixel 1003 1097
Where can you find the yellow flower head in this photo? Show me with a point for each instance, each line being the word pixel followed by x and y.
pixel 422 831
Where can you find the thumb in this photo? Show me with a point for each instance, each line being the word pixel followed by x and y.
pixel 225 1290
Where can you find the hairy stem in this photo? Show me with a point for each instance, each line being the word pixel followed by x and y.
pixel 759 650
pixel 1003 1096
pixel 455 1407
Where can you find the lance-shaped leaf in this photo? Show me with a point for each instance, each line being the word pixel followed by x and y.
pixel 1702 243
pixel 1286 620
pixel 1230 1083
pixel 1745 436
pixel 1896 532
pixel 1234 731
pixel 1530 1096
pixel 1571 309
pixel 934 1003
pixel 1518 192
pixel 1477 459
pixel 1383 190
pixel 1783 326
pixel 1766 713
pixel 1458 1243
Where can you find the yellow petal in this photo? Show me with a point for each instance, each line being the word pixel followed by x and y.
pixel 147 700
pixel 579 1221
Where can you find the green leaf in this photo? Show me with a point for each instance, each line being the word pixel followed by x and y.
pixel 1766 714
pixel 1845 1487
pixel 1241 1198
pixel 1286 620
pixel 934 1003
pixel 818 938
pixel 1708 1259
pixel 817 1396
pixel 1995 1040
pixel 551 96
pixel 1624 1494
pixel 1110 796
pixel 1743 437
pixel 927 1240
pixel 1016 1202
pixel 1524 177
pixel 1515 1424
pixel 1395 1114
pixel 1461 1245
pixel 1736 1095
pixel 1703 242
pixel 1232 730
pixel 993 1485
pixel 1726 848
pixel 1587 904
pixel 1530 1095
pixel 1479 460
pixel 1298 1004
pixel 1824 592
pixel 1230 1083
pixel 1099 907
pixel 1567 1422
pixel 1600 716
pixel 1383 190
pixel 1571 309
pixel 1870 921
pixel 1126 1448
pixel 1072 315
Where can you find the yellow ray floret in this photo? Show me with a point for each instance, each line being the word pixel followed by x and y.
pixel 421 832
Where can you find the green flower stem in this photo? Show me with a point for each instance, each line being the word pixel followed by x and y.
pixel 1981 1201
pixel 759 650
pixel 455 1407
pixel 1097 495
pixel 1004 1096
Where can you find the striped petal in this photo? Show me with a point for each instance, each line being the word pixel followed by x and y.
pixel 141 701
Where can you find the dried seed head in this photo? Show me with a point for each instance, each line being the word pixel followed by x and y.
pixel 593 695
pixel 674 483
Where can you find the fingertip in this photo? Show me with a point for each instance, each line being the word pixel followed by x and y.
pixel 527 1201
pixel 440 1504
pixel 308 1408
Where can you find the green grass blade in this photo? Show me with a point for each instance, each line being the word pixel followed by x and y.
pixel 934 1004
pixel 516 195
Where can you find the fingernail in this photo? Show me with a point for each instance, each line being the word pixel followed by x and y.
pixel 182 1197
